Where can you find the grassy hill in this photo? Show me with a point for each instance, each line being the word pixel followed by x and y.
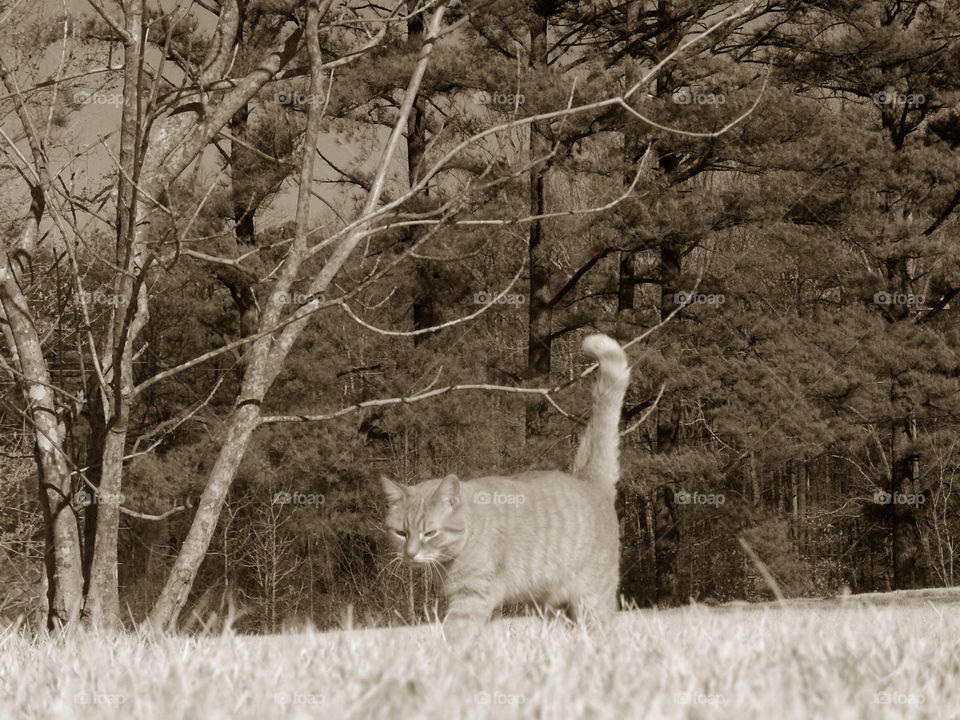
pixel 829 659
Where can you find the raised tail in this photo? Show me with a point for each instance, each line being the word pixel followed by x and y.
pixel 597 457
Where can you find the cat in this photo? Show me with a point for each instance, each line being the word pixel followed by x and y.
pixel 546 538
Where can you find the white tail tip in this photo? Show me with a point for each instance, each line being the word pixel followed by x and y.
pixel 603 347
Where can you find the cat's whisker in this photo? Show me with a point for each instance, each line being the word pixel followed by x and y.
pixel 434 569
pixel 396 569
pixel 391 568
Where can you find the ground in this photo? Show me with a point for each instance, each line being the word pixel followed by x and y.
pixel 888 658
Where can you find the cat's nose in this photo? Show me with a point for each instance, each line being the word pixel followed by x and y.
pixel 411 549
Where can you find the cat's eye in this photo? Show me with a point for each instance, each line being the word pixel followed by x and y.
pixel 400 533
pixel 430 533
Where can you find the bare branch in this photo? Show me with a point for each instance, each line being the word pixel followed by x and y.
pixel 162 516
pixel 545 392
pixel 435 328
pixel 126 37
pixel 647 413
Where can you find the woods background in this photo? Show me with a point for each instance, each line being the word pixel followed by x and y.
pixel 249 248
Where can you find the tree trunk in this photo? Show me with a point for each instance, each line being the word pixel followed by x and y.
pixel 804 500
pixel 667 429
pixel 795 508
pixel 62 551
pixel 174 595
pixel 129 317
pixel 240 282
pixel 906 557
pixel 632 511
pixel 638 548
pixel 425 306
pixel 650 523
pixel 539 325
pixel 663 557
pixel 62 558
pixel 632 143
pixel 754 482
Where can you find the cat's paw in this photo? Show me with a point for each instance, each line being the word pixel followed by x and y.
pixel 462 632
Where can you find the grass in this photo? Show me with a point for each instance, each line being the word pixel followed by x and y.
pixel 817 660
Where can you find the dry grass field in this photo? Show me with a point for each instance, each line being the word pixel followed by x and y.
pixel 853 659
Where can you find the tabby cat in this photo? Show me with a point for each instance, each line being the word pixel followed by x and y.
pixel 547 538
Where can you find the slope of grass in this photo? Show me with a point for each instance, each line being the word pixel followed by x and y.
pixel 835 661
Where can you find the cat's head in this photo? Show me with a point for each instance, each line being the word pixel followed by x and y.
pixel 425 523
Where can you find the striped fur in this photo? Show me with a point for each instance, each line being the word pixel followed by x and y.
pixel 547 538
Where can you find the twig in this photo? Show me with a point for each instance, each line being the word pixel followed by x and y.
pixel 117 28
pixel 435 328
pixel 646 414
pixel 545 392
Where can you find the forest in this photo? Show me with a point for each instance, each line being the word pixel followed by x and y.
pixel 255 254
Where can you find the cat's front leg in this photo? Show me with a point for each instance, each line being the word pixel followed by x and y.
pixel 469 607
pixel 477 608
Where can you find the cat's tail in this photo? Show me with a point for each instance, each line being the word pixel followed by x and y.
pixel 597 457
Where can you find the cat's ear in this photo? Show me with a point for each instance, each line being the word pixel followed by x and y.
pixel 448 491
pixel 394 491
